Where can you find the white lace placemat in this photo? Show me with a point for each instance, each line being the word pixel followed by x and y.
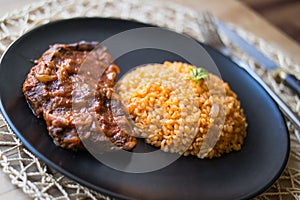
pixel 36 179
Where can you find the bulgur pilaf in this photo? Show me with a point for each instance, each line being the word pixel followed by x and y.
pixel 202 118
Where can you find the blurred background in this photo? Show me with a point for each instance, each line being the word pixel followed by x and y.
pixel 284 14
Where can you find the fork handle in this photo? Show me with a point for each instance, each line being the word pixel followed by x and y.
pixel 291 81
pixel 293 117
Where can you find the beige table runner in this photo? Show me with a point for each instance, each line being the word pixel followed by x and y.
pixel 36 179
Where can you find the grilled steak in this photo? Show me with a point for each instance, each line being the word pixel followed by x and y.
pixel 71 87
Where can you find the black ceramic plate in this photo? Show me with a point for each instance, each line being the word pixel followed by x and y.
pixel 238 175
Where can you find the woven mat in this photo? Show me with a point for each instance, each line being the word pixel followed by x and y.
pixel 36 179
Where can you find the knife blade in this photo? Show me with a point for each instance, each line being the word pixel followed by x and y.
pixel 290 80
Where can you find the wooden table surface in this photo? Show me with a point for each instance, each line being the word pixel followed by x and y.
pixel 232 11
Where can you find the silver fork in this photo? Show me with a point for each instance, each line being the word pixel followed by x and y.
pixel 212 37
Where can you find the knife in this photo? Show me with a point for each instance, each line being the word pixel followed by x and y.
pixel 289 80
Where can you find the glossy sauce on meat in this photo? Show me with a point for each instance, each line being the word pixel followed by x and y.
pixel 71 87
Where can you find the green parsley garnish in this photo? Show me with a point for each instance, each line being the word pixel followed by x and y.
pixel 197 74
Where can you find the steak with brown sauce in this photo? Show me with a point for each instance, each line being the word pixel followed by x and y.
pixel 71 87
